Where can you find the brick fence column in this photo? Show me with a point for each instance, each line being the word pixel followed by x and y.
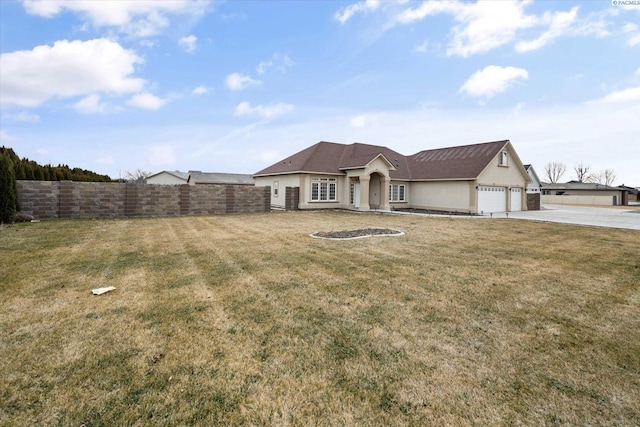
pixel 131 202
pixel 533 201
pixel 230 199
pixel 267 198
pixel 185 203
pixel 65 199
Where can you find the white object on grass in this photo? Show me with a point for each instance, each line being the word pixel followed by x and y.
pixel 101 291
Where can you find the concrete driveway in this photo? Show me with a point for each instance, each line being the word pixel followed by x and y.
pixel 619 217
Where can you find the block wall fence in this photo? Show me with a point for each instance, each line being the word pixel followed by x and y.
pixel 533 201
pixel 69 199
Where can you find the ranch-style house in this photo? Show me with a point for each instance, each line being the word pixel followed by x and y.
pixel 478 179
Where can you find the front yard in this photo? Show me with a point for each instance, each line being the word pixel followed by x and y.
pixel 246 320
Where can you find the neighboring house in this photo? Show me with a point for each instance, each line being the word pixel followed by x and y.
pixel 583 193
pixel 632 193
pixel 197 178
pixel 479 178
pixel 535 185
pixel 533 189
pixel 168 178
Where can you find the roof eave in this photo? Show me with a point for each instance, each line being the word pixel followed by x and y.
pixel 297 172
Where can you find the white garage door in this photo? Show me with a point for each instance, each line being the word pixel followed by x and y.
pixel 492 199
pixel 516 199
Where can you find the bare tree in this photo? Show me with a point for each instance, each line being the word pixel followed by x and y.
pixel 606 177
pixel 137 175
pixel 554 171
pixel 583 172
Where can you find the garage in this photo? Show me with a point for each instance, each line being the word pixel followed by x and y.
pixel 491 199
pixel 516 199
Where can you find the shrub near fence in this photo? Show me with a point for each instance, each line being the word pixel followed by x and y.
pixel 69 199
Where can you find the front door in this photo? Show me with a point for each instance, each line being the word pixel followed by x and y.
pixel 355 194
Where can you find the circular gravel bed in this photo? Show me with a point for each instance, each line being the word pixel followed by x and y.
pixel 356 234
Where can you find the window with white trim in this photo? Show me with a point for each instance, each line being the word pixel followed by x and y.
pixel 275 188
pixel 503 159
pixel 324 189
pixel 397 193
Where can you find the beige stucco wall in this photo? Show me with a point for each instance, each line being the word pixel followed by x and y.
pixel 305 199
pixel 510 176
pixel 608 193
pixel 503 176
pixel 449 195
pixel 166 179
pixel 283 182
pixel 378 165
pixel 583 199
pixel 407 195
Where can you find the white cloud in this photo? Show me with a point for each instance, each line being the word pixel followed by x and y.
pixel 482 26
pixel 423 47
pixel 189 43
pixel 237 81
pixel 148 43
pixel 201 90
pixel 632 32
pixel 265 111
pixel 67 69
pixel 559 23
pixel 263 66
pixel 23 116
pixel 133 17
pixel 492 80
pixel 427 8
pixel 345 13
pixel 146 101
pixel 90 105
pixel 631 94
pixel 277 61
pixel 486 25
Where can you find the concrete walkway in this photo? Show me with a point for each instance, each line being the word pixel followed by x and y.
pixel 618 217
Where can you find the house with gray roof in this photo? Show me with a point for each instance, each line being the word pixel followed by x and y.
pixel 198 177
pixel 168 178
pixel 583 193
pixel 479 178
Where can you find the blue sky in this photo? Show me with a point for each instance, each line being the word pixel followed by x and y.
pixel 115 86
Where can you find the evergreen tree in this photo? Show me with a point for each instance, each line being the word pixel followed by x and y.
pixel 30 170
pixel 37 172
pixel 8 190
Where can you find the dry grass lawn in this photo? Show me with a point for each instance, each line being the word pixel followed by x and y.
pixel 246 320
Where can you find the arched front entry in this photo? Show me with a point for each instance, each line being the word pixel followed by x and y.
pixel 375 190
pixel 379 191
pixel 370 191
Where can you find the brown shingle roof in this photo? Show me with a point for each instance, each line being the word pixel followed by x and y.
pixel 322 157
pixel 464 162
